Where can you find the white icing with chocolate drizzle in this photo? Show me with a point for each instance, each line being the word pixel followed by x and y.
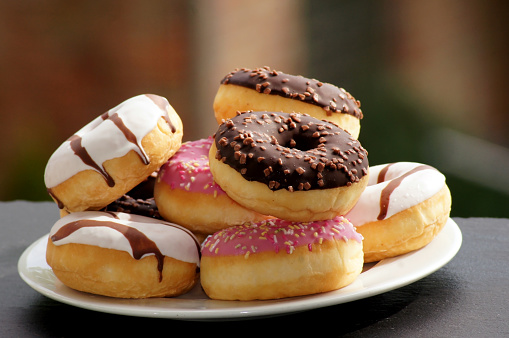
pixel 393 188
pixel 170 239
pixel 111 135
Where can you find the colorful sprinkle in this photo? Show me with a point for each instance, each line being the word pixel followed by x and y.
pixel 189 169
pixel 277 235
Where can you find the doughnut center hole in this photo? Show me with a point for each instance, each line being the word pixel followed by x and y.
pixel 301 143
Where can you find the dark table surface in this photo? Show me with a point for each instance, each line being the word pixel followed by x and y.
pixel 468 297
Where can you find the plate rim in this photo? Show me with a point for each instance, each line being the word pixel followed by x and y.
pixel 242 309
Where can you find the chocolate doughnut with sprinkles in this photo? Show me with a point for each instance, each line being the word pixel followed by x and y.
pixel 139 200
pixel 288 165
pixel 264 89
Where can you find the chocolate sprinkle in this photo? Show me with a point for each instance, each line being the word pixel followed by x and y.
pixel 264 80
pixel 294 158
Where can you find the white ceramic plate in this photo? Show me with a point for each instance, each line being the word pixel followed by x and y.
pixel 383 276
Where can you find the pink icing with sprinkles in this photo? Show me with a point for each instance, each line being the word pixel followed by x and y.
pixel 276 235
pixel 188 169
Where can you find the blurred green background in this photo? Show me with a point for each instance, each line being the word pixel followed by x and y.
pixel 432 76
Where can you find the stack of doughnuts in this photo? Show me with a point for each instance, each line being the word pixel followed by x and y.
pixel 304 172
pixel 279 202
pixel 96 177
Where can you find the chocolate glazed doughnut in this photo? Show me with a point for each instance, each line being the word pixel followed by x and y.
pixel 139 200
pixel 264 89
pixel 290 166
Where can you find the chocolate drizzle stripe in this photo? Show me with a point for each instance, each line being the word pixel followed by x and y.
pixel 58 201
pixel 388 190
pixel 129 135
pixel 82 153
pixel 163 105
pixel 140 243
pixel 383 172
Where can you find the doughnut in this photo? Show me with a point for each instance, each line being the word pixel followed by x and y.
pixel 113 153
pixel 276 258
pixel 288 165
pixel 186 194
pixel 404 206
pixel 139 200
pixel 123 255
pixel 263 89
pixel 145 189
pixel 137 206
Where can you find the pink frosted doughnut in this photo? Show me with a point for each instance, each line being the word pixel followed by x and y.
pixel 402 209
pixel 186 194
pixel 277 258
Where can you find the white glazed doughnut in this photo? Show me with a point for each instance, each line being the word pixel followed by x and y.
pixel 123 255
pixel 402 209
pixel 113 153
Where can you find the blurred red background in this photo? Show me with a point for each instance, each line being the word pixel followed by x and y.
pixel 432 76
